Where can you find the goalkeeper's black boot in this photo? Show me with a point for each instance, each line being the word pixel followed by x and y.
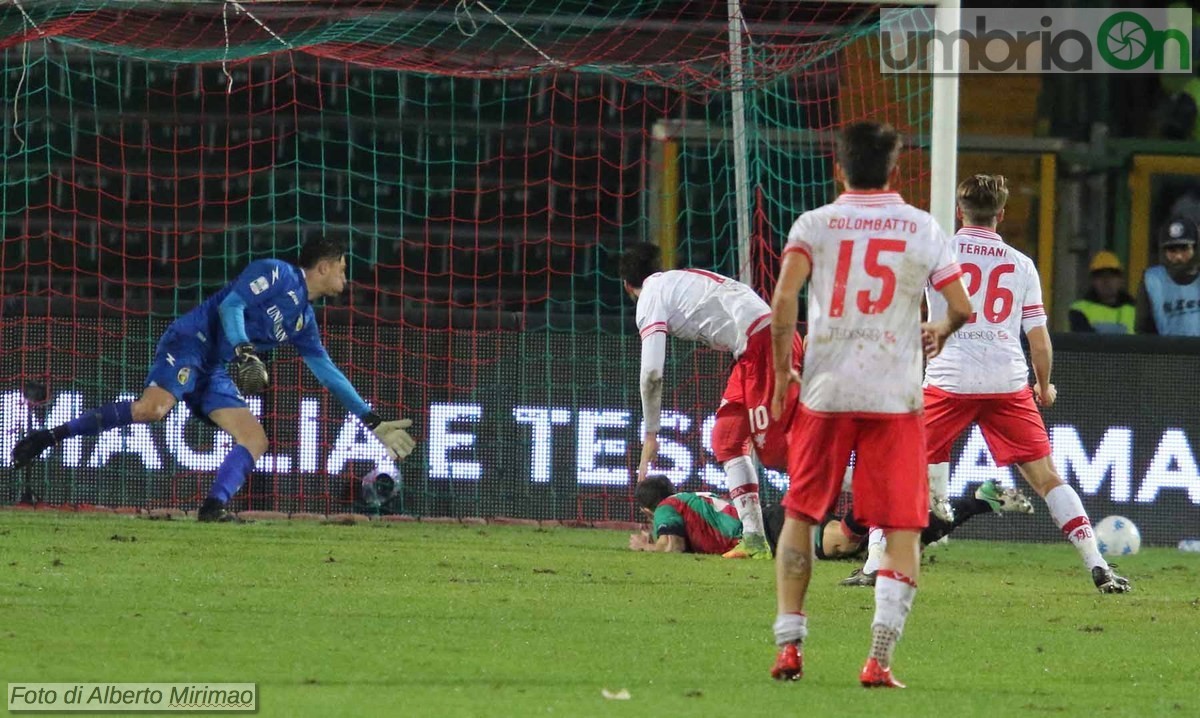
pixel 212 510
pixel 858 577
pixel 1107 580
pixel 30 447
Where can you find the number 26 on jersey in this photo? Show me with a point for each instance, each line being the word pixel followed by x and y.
pixel 997 300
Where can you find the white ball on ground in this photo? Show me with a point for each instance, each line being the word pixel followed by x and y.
pixel 1118 536
pixel 377 488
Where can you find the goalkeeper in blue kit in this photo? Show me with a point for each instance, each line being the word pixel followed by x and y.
pixel 210 358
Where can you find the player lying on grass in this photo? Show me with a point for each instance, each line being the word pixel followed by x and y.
pixel 722 313
pixel 704 523
pixel 692 522
pixel 209 358
pixel 982 377
pixel 990 497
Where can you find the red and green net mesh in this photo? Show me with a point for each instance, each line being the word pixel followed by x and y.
pixel 485 162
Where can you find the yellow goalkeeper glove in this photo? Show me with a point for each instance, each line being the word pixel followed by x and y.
pixel 391 434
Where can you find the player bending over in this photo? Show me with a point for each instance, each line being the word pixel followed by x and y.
pixel 982 377
pixel 209 358
pixel 704 523
pixel 869 255
pixel 722 313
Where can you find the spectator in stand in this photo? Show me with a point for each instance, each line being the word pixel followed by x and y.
pixel 1106 308
pixel 1168 302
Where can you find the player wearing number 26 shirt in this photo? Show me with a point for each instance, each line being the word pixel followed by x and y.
pixel 869 256
pixel 981 375
pixel 722 313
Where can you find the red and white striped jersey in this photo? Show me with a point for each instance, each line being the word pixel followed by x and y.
pixel 872 255
pixel 985 356
pixel 701 306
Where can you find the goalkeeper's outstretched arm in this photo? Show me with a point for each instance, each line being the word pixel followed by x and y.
pixel 392 434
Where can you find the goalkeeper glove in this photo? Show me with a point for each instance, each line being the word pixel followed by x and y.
pixel 248 372
pixel 391 434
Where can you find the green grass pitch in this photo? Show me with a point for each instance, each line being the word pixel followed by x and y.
pixel 447 620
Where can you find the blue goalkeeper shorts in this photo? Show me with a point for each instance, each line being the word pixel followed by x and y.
pixel 182 367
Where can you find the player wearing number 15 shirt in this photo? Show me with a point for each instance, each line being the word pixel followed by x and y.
pixel 869 256
pixel 981 375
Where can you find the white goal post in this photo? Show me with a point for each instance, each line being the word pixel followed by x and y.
pixel 942 139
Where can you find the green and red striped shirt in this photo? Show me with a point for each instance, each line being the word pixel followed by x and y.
pixel 709 524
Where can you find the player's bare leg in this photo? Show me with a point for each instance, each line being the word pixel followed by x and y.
pixel 794 558
pixel 153 405
pixel 895 589
pixel 250 445
pixel 1069 514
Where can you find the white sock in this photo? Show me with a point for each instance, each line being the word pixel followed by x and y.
pixel 939 481
pixel 876 543
pixel 1068 513
pixel 791 628
pixel 894 594
pixel 742 479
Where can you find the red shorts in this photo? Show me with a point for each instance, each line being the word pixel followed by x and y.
pixel 1011 424
pixel 749 389
pixel 891 488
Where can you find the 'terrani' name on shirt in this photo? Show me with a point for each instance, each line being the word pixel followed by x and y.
pixel 880 224
pixel 984 249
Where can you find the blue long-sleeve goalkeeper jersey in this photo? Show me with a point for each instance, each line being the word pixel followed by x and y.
pixel 276 311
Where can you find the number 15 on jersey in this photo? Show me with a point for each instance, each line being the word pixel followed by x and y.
pixel 866 301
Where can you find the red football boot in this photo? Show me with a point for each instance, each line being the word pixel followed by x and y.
pixel 789 664
pixel 876 676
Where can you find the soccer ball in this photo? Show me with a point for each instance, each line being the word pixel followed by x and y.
pixel 1118 536
pixel 377 488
